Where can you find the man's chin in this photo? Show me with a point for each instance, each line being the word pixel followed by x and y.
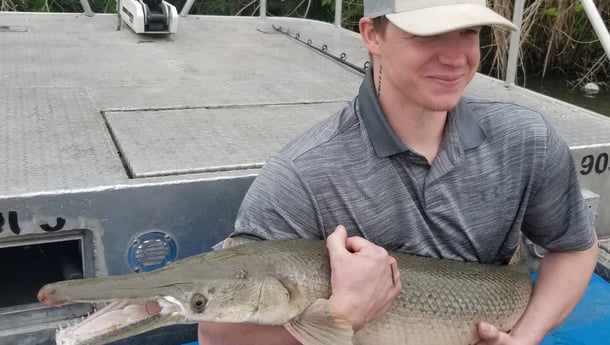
pixel 444 104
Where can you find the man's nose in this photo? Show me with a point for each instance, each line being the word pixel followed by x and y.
pixel 453 51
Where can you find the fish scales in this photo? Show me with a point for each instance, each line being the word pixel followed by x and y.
pixel 271 282
pixel 441 300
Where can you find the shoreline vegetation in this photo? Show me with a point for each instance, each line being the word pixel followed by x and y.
pixel 557 39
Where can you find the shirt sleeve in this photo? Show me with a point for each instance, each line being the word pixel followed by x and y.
pixel 556 217
pixel 278 205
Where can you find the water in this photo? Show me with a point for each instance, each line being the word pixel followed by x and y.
pixel 558 88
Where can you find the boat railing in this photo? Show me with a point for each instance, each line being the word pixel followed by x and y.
pixel 87 8
pixel 598 24
pixel 515 38
pixel 263 9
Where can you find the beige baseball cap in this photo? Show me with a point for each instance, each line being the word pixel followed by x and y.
pixel 434 17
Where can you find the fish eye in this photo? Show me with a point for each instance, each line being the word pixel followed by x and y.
pixel 198 302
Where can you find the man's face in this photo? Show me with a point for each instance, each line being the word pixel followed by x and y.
pixel 428 72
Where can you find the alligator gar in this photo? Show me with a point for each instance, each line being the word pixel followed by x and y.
pixel 273 282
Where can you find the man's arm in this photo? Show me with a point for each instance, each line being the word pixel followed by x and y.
pixel 360 271
pixel 561 281
pixel 243 334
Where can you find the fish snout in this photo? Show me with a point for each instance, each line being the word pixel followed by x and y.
pixel 51 296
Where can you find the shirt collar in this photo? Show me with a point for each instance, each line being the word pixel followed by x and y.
pixel 382 136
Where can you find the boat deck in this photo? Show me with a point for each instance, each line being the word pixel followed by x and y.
pixel 83 105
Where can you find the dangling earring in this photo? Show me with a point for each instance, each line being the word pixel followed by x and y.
pixel 379 80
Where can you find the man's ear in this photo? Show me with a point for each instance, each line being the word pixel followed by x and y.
pixel 369 35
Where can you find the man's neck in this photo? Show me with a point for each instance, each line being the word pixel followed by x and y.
pixel 421 130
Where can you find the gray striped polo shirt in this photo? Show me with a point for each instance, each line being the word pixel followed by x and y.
pixel 501 169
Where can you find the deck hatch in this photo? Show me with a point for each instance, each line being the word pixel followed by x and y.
pixel 196 140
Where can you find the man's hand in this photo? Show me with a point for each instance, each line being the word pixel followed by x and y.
pixel 490 335
pixel 365 279
pixel 561 281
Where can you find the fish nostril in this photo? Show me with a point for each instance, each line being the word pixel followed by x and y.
pixel 198 303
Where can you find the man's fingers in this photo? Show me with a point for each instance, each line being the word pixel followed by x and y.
pixel 489 334
pixel 339 240
pixel 336 242
pixel 356 244
pixel 338 236
pixel 364 278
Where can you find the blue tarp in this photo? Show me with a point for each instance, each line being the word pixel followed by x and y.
pixel 589 323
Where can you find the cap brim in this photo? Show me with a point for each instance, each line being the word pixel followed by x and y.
pixel 441 19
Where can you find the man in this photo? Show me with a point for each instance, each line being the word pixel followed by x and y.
pixel 412 165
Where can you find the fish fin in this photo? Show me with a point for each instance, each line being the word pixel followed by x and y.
pixel 518 257
pixel 319 325
pixel 231 242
